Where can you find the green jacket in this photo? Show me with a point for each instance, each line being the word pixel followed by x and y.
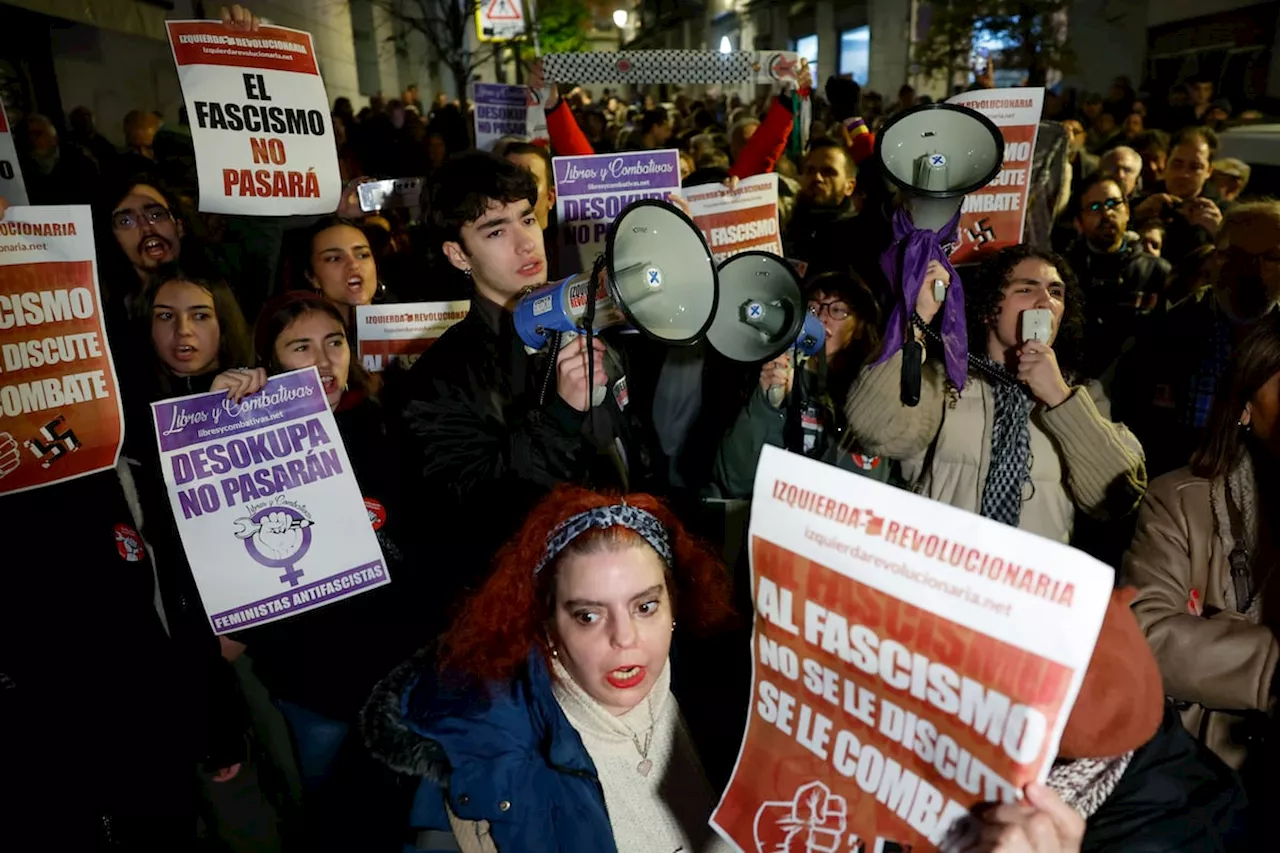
pixel 819 436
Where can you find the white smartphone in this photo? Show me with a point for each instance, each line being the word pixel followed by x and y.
pixel 1037 325
pixel 399 192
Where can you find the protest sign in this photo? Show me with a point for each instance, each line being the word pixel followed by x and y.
pixel 12 189
pixel 910 661
pixel 500 111
pixel 265 501
pixel 992 218
pixel 259 120
pixel 60 414
pixel 592 190
pixel 398 334
pixel 738 220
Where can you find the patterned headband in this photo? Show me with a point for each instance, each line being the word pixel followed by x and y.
pixel 619 515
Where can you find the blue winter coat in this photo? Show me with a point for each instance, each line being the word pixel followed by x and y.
pixel 502 753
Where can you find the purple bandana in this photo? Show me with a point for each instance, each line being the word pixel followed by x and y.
pixel 915 248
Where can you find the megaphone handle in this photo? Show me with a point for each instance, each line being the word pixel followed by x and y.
pixel 912 365
pixel 777 393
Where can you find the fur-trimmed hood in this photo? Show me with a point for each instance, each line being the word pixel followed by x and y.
pixel 388 737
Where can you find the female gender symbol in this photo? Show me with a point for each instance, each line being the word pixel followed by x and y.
pixel 277 537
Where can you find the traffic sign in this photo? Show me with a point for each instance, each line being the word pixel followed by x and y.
pixel 500 20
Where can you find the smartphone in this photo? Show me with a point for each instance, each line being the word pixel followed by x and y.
pixel 394 192
pixel 1037 325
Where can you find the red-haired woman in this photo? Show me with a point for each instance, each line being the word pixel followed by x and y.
pixel 549 713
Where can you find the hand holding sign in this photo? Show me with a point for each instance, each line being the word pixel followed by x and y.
pixel 1042 823
pixel 813 822
pixel 239 19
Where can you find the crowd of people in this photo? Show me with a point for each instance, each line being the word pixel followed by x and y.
pixel 561 662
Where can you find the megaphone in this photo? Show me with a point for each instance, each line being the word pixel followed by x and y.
pixel 656 275
pixel 762 312
pixel 937 154
pixel 761 309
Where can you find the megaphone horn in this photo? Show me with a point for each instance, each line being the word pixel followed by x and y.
pixel 657 276
pixel 937 154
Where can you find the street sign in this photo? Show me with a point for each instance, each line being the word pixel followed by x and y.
pixel 500 20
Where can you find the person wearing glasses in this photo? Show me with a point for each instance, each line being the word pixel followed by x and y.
pixel 801 410
pixel 1122 284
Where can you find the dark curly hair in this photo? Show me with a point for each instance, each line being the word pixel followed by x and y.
pixel 984 292
pixel 468 184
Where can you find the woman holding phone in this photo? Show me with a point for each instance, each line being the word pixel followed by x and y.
pixel 1021 443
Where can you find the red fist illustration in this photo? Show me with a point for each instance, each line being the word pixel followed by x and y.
pixel 813 822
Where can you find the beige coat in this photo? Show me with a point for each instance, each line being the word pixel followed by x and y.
pixel 1079 457
pixel 1218 660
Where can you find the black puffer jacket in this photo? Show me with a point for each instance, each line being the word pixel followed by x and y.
pixel 1120 289
pixel 481 447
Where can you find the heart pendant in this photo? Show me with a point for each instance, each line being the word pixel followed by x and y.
pixel 644 767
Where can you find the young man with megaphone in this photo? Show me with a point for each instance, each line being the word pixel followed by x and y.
pixel 491 427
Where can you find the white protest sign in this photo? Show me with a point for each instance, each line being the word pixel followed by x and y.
pixel 499 20
pixel 259 120
pixel 400 333
pixel 897 639
pixel 738 220
pixel 269 511
pixel 12 189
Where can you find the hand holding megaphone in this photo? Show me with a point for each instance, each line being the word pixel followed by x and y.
pixel 933 291
pixel 775 379
pixel 571 373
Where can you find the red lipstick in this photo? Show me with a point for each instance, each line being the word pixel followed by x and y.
pixel 625 677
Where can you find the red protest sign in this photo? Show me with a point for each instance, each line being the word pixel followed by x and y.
pixel 993 217
pixel 905 666
pixel 60 413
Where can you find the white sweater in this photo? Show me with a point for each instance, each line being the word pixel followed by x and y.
pixel 665 811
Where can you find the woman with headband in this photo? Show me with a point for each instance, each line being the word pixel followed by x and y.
pixel 548 712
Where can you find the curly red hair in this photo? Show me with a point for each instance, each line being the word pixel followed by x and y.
pixel 499 626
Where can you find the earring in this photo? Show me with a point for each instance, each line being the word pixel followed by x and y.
pixel 673 624
pixel 467 272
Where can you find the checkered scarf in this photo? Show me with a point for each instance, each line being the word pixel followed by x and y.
pixel 1010 464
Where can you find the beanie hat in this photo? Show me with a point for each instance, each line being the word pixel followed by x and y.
pixel 1121 700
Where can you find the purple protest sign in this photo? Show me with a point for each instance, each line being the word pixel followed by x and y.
pixel 501 110
pixel 184 421
pixel 591 191
pixel 268 509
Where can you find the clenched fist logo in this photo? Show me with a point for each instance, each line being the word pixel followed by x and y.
pixel 814 821
pixel 277 537
pixel 10 459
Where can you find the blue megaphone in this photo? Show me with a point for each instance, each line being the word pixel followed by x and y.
pixel 656 275
pixel 812 337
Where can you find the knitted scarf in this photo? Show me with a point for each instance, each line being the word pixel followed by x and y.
pixel 1086 783
pixel 1010 465
pixel 1244 491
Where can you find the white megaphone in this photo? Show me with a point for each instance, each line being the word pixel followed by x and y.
pixel 762 313
pixel 937 154
pixel 656 275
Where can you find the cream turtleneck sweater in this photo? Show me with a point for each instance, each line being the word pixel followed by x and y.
pixel 666 810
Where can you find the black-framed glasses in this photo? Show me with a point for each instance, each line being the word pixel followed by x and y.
pixel 836 309
pixel 127 220
pixel 1109 204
